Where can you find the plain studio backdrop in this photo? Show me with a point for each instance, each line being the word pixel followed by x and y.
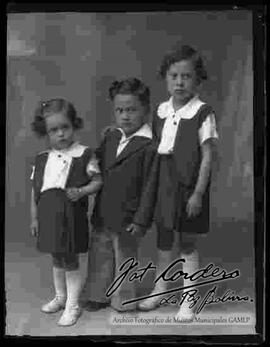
pixel 78 55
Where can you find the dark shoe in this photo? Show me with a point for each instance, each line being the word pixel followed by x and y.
pixel 92 306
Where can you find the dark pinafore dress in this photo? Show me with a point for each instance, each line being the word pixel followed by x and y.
pixel 178 174
pixel 63 224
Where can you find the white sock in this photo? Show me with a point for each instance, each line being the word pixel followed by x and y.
pixel 59 279
pixel 74 287
pixel 190 266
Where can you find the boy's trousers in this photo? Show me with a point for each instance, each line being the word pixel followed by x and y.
pixel 108 251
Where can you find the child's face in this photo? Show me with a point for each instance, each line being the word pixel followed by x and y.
pixel 59 130
pixel 182 81
pixel 129 113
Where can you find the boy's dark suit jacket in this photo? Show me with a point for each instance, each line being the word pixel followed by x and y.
pixel 127 195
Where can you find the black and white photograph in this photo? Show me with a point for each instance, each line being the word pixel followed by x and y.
pixel 130 186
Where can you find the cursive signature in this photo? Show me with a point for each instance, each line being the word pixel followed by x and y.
pixel 130 271
pixel 193 298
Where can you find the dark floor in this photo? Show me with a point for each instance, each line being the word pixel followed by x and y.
pixel 29 284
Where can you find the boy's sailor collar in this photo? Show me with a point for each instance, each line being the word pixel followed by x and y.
pixel 144 131
pixel 188 111
pixel 75 150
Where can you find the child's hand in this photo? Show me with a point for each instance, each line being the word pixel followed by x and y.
pixel 34 228
pixel 74 194
pixel 136 229
pixel 194 205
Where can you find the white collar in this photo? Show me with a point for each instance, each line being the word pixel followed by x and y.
pixel 144 131
pixel 75 150
pixel 187 111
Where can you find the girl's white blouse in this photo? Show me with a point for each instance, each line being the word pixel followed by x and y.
pixel 172 119
pixel 58 166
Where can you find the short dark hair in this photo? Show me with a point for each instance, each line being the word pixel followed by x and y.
pixel 184 52
pixel 49 107
pixel 131 86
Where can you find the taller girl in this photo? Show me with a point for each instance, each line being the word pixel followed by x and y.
pixel 186 129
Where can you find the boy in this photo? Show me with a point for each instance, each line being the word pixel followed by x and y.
pixel 124 207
